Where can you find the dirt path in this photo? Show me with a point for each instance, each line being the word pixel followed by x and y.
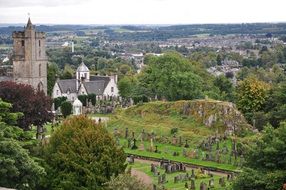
pixel 142 177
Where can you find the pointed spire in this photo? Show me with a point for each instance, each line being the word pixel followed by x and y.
pixel 29 24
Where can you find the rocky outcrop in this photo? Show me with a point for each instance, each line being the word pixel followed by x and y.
pixel 209 112
pixel 212 113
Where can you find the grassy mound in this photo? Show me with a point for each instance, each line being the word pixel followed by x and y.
pixel 191 119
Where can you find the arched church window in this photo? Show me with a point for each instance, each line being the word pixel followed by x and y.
pixel 40 86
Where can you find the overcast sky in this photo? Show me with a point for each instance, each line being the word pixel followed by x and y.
pixel 142 11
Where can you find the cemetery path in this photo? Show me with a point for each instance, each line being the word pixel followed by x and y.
pixel 142 176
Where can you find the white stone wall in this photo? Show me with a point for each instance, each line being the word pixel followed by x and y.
pixel 56 91
pixel 112 83
pixel 82 90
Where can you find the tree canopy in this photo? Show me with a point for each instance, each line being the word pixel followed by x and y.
pixel 171 77
pixel 265 161
pixel 35 105
pixel 17 168
pixel 251 95
pixel 82 155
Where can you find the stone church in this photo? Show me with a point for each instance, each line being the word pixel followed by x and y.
pixel 104 87
pixel 29 58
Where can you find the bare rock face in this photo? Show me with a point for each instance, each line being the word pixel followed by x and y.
pixel 212 113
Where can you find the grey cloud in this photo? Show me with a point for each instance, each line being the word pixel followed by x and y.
pixel 45 3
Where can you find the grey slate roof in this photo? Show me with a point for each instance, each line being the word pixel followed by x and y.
pixel 106 79
pixel 95 87
pixel 67 84
pixel 82 68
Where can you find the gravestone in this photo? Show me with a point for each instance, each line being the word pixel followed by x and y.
pixel 211 183
pixel 143 135
pixel 152 167
pixel 187 145
pixel 174 140
pixel 130 159
pixel 203 186
pixel 134 145
pixel 217 145
pixel 126 133
pixel 193 176
pixel 164 178
pixel 186 185
pixel 222 182
pixel 193 184
pixel 141 147
pixel 184 152
pixel 117 141
pixel 129 143
pixel 133 135
pixel 156 149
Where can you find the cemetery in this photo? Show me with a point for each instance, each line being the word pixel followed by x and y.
pixel 158 130
pixel 189 178
pixel 183 152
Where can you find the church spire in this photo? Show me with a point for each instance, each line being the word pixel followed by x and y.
pixel 29 24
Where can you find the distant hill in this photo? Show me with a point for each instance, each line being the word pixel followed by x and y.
pixel 157 32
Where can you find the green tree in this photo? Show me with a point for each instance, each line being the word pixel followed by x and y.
pixel 53 73
pixel 124 69
pixel 225 87
pixel 276 104
pixel 68 72
pixel 219 59
pixel 17 168
pixel 251 95
pixel 265 166
pixel 66 108
pixel 82 155
pixel 126 86
pixel 83 98
pixel 171 77
pixel 92 98
pixel 58 101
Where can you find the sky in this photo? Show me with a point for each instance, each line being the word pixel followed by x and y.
pixel 142 11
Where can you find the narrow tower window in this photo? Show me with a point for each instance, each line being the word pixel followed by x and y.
pixel 39 43
pixel 23 43
pixel 40 69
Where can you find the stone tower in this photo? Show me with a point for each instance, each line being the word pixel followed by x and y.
pixel 29 58
pixel 82 74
